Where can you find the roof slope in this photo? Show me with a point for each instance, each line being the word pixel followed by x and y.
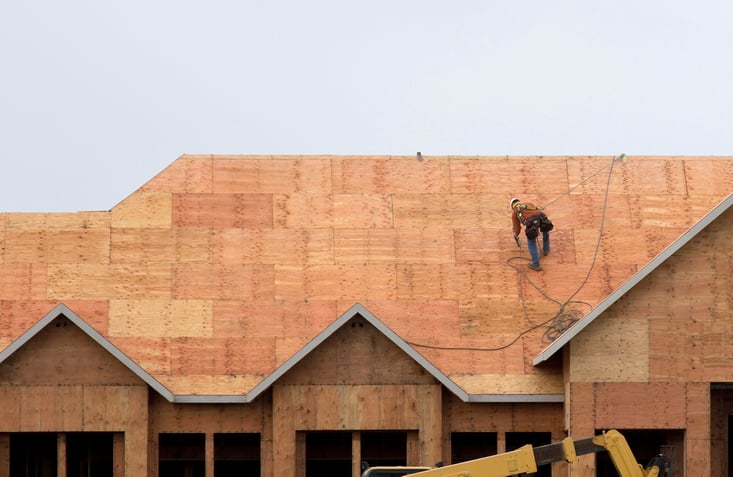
pixel 222 269
pixel 572 331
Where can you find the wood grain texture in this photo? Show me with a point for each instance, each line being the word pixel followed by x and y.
pixel 426 243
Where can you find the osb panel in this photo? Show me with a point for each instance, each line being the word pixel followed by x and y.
pixel 376 175
pixel 187 174
pixel 613 246
pixel 25 220
pixel 47 408
pixel 60 355
pixel 419 318
pixel 272 175
pixel 142 245
pixel 590 212
pixel 509 177
pixel 611 350
pixel 393 245
pixel 268 318
pixel 57 245
pixel 485 245
pixel 668 211
pixel 357 353
pixel 222 356
pixel 688 301
pixel 222 210
pixel 98 281
pixel 10 411
pixel 208 418
pixel 355 281
pixel 357 407
pixel 501 418
pixel 285 348
pixel 477 417
pixel 23 281
pixel 223 282
pixel 194 245
pixel 152 354
pixel 162 317
pixel 709 174
pixel 480 319
pixel 107 408
pixel 698 410
pixel 450 211
pixel 212 385
pixel 638 175
pixel 627 405
pixel 17 316
pixel 143 209
pixel 274 246
pixel 445 281
pixel 509 384
pixel 82 220
pixel 581 409
pixel 338 211
pixel 496 354
pixel 697 456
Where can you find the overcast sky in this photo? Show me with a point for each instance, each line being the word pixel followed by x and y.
pixel 97 97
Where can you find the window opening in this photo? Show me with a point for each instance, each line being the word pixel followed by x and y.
pixel 384 448
pixel 181 454
pixel 327 453
pixel 89 454
pixel 33 454
pixel 472 445
pixel 237 455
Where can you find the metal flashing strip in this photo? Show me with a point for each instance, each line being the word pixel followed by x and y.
pixel 357 309
pixel 210 399
pixel 64 310
pixel 524 398
pixel 569 334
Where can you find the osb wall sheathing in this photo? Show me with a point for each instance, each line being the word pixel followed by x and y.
pixel 674 326
pixel 220 268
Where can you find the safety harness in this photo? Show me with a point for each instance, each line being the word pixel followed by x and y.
pixel 521 208
pixel 536 223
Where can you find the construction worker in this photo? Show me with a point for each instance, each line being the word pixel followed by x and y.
pixel 534 221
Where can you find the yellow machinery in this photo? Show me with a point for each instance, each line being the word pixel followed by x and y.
pixel 526 459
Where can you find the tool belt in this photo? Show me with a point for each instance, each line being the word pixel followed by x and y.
pixel 539 222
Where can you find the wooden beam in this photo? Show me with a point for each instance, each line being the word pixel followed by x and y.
pixel 4 454
pixel 61 454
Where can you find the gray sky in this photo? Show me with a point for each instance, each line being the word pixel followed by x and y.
pixel 97 97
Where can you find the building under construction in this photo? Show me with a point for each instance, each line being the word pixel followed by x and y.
pixel 297 316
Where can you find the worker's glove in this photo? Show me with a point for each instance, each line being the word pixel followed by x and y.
pixel 516 239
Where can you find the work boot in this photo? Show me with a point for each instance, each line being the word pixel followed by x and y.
pixel 546 252
pixel 534 267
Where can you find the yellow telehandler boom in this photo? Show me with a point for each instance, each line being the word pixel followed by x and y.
pixel 526 459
